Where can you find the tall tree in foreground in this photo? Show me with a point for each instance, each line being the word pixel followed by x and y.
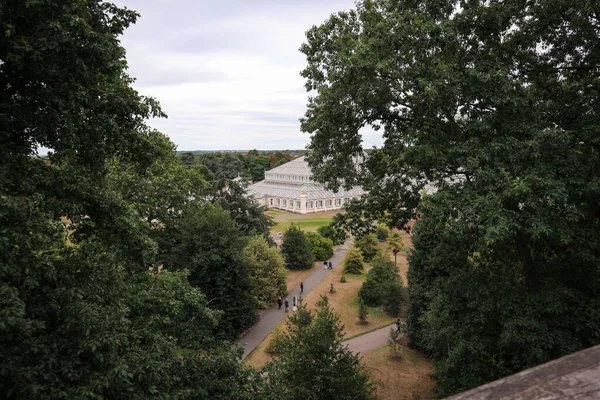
pixel 498 104
pixel 315 364
pixel 81 314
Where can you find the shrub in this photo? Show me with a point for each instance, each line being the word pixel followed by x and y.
pixel 368 246
pixel 382 232
pixel 295 250
pixel 337 236
pixel 321 247
pixel 343 279
pixel 353 261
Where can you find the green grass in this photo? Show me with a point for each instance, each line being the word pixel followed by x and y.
pixel 305 225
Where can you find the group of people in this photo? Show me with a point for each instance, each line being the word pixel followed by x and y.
pixel 328 266
pixel 286 301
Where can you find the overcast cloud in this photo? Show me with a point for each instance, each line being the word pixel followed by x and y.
pixel 226 72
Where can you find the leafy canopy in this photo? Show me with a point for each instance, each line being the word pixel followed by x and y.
pixel 498 105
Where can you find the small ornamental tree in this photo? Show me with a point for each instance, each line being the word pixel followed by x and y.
pixel 337 235
pixel 266 271
pixel 368 246
pixel 321 247
pixel 295 250
pixel 363 312
pixel 395 245
pixel 354 261
pixel 382 232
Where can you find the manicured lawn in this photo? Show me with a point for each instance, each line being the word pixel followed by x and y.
pixel 310 222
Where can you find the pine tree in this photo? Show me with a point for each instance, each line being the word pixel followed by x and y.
pixel 363 311
pixel 353 261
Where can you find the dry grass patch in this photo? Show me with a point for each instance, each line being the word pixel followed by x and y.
pixel 405 380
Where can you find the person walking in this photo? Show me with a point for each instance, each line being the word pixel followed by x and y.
pixel 301 287
pixel 279 302
pixel 330 265
pixel 325 264
pixel 287 305
pixel 398 325
pixel 294 301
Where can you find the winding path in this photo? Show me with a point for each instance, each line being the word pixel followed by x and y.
pixel 369 341
pixel 271 317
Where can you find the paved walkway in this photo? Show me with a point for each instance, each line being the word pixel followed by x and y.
pixel 271 317
pixel 369 341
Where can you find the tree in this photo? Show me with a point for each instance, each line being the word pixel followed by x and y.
pixel 82 315
pixel 383 286
pixel 322 248
pixel 395 245
pixel 266 270
pixel 249 216
pixel 363 311
pixel 368 246
pixel 496 106
pixel 353 261
pixel 257 165
pixel 316 364
pixel 337 236
pixel 210 246
pixel 382 232
pixel 295 250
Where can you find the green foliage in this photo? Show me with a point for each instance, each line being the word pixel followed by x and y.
pixel 383 286
pixel 395 245
pixel 248 216
pixel 266 271
pixel 316 364
pixel 337 236
pixel 81 314
pixel 353 261
pixel 368 246
pixel 322 248
pixel 394 345
pixel 295 250
pixel 382 232
pixel 363 311
pixel 499 107
pixel 343 279
pixel 210 246
pixel 228 165
pixel 277 344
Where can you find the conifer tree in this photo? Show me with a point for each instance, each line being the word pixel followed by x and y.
pixel 295 250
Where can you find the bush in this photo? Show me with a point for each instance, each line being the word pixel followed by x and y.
pixel 321 247
pixel 383 286
pixel 337 236
pixel 343 279
pixel 353 261
pixel 382 232
pixel 295 250
pixel 394 345
pixel 368 246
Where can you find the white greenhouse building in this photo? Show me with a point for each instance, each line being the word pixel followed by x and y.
pixel 290 187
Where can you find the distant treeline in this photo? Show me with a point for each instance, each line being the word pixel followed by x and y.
pixel 249 165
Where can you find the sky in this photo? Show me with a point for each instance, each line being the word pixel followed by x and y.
pixel 226 72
